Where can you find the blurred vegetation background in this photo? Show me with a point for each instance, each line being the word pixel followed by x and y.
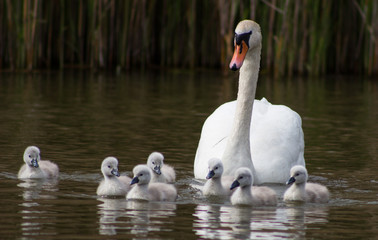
pixel 311 37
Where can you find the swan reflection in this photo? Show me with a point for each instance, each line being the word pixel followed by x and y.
pixel 32 213
pixel 241 222
pixel 137 217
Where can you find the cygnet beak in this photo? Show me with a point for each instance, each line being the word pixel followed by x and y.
pixel 115 172
pixel 157 170
pixel 210 174
pixel 291 180
pixel 34 163
pixel 134 180
pixel 235 184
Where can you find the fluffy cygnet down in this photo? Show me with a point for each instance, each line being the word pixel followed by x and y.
pixel 301 190
pixel 161 172
pixel 216 184
pixel 245 194
pixel 113 184
pixel 34 167
pixel 144 190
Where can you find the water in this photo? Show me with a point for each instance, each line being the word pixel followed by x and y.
pixel 79 118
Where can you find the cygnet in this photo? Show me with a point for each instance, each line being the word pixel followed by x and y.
pixel 113 184
pixel 34 167
pixel 144 190
pixel 161 172
pixel 217 185
pixel 301 190
pixel 245 194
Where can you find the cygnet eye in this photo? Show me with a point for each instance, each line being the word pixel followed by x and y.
pixel 216 168
pixel 141 174
pixel 29 156
pixel 109 166
pixel 153 163
pixel 297 174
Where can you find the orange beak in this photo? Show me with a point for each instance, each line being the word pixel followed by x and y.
pixel 239 55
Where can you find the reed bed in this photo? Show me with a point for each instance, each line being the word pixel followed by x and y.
pixel 300 37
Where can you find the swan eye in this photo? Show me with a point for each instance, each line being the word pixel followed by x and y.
pixel 153 163
pixel 216 168
pixel 297 174
pixel 241 177
pixel 109 166
pixel 141 174
pixel 30 156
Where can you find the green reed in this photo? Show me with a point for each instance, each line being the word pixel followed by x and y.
pixel 299 36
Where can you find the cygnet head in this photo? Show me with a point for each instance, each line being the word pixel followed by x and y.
pixel 243 178
pixel 32 156
pixel 109 167
pixel 247 37
pixel 142 175
pixel 298 174
pixel 215 168
pixel 155 161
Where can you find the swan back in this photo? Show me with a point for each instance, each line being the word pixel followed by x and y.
pixel 34 167
pixel 301 190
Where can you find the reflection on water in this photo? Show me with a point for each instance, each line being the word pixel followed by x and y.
pixel 229 222
pixel 36 188
pixel 78 119
pixel 139 217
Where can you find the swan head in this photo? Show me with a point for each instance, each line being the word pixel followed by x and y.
pixel 247 37
pixel 155 161
pixel 215 168
pixel 32 156
pixel 243 178
pixel 142 175
pixel 109 167
pixel 298 175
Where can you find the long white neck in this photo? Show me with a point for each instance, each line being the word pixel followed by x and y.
pixel 238 153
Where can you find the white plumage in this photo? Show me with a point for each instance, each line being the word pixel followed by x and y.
pixel 34 167
pixel 303 191
pixel 113 184
pixel 266 138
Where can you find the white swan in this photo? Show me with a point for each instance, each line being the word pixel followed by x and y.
pixel 245 194
pixel 303 191
pixel 34 167
pixel 113 184
pixel 150 191
pixel 216 185
pixel 160 172
pixel 273 135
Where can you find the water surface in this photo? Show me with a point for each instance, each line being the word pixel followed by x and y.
pixel 79 118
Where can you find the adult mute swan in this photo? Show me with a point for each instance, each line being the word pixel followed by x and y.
pixel 272 137
pixel 245 194
pixel 144 190
pixel 160 172
pixel 34 167
pixel 113 184
pixel 303 191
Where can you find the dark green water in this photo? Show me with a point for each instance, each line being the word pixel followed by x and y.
pixel 78 119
